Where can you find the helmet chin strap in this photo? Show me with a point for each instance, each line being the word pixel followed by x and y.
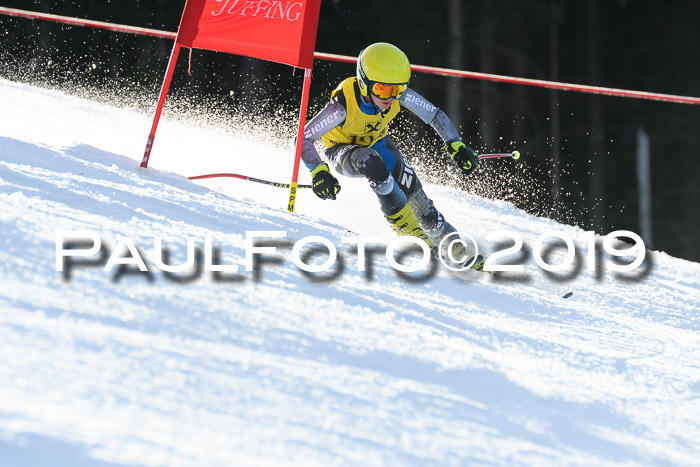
pixel 377 109
pixel 371 101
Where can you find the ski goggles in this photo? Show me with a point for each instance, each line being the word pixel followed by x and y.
pixel 386 91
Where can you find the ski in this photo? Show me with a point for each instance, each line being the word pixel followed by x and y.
pixel 478 264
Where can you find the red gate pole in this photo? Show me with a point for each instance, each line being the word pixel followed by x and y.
pixel 300 138
pixel 161 101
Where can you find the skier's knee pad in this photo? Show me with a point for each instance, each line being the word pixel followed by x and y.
pixel 371 165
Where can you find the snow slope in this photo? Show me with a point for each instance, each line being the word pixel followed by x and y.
pixel 273 367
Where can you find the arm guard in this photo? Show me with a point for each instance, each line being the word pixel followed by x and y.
pixel 430 114
pixel 330 117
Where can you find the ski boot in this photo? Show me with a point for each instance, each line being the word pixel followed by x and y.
pixel 404 222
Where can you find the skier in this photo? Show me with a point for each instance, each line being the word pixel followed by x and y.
pixel 354 129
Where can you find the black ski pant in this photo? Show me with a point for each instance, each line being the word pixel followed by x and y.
pixel 392 189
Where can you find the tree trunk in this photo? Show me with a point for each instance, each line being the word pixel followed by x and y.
pixel 519 67
pixel 37 61
pixel 456 61
pixel 597 149
pixel 555 143
pixel 487 103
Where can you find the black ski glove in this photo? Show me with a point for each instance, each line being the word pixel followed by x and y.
pixel 463 156
pixel 325 185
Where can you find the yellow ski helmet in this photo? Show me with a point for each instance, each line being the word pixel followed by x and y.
pixel 385 64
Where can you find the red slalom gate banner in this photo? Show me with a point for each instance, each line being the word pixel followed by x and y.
pixel 274 30
pixel 279 31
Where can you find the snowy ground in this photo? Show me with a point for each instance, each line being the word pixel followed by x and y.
pixel 273 367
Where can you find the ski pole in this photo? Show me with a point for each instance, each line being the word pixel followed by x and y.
pixel 245 177
pixel 514 155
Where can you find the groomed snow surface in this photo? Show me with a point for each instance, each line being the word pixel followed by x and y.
pixel 273 367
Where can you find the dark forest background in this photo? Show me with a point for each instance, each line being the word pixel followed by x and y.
pixel 579 150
